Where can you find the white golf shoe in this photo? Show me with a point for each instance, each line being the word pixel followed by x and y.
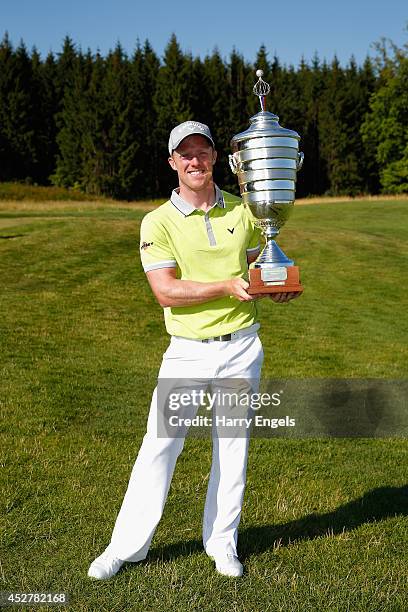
pixel 105 566
pixel 228 565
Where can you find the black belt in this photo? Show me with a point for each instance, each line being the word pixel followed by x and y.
pixel 223 338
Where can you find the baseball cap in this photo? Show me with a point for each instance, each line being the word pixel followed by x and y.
pixel 188 128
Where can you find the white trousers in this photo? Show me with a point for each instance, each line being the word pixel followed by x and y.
pixel 151 476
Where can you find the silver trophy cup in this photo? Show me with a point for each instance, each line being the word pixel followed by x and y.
pixel 266 159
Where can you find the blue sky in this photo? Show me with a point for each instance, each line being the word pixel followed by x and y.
pixel 290 29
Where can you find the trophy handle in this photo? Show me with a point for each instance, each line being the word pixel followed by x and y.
pixel 234 165
pixel 299 163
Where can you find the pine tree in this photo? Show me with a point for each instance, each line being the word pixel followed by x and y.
pixel 109 146
pixel 122 123
pixel 72 122
pixel 49 109
pixel 7 161
pixel 17 113
pixel 44 116
pixel 172 103
pixel 216 104
pixel 312 179
pixel 238 72
pixel 144 69
pixel 354 107
pixel 95 142
pixel 368 162
pixel 276 81
pixel 332 128
pixel 65 69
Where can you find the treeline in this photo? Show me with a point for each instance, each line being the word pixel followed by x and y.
pixel 101 124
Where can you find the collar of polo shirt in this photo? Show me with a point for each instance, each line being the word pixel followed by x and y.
pixel 186 209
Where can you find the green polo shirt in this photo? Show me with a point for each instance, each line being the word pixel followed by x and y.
pixel 204 247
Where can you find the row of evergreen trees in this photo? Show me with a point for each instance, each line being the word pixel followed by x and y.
pixel 101 124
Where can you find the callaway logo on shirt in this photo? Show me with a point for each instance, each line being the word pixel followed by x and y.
pixel 144 245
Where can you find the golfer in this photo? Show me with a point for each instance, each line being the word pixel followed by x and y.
pixel 195 250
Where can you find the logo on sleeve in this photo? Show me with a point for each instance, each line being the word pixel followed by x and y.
pixel 145 245
pixel 231 231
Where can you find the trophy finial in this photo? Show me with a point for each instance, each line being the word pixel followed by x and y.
pixel 261 89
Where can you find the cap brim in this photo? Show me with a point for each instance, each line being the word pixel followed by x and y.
pixel 192 134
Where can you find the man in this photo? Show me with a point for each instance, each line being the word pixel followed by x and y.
pixel 195 250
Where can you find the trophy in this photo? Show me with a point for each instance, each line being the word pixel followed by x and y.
pixel 266 159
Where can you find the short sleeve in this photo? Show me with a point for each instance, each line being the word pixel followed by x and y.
pixel 155 250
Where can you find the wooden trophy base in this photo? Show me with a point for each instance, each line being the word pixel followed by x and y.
pixel 275 280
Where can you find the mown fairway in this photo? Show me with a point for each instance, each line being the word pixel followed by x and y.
pixel 324 526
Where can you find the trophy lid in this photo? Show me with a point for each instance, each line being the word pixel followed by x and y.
pixel 264 123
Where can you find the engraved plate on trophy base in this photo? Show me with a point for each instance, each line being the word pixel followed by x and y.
pixel 272 280
pixel 274 276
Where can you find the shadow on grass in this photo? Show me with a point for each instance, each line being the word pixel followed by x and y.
pixel 373 506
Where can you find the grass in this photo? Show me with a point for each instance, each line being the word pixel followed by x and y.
pixel 18 192
pixel 324 526
pixel 25 193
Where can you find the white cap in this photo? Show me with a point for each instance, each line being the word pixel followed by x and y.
pixel 188 128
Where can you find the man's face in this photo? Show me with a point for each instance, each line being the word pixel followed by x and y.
pixel 193 161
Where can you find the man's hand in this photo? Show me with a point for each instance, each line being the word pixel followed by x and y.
pixel 236 287
pixel 284 297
